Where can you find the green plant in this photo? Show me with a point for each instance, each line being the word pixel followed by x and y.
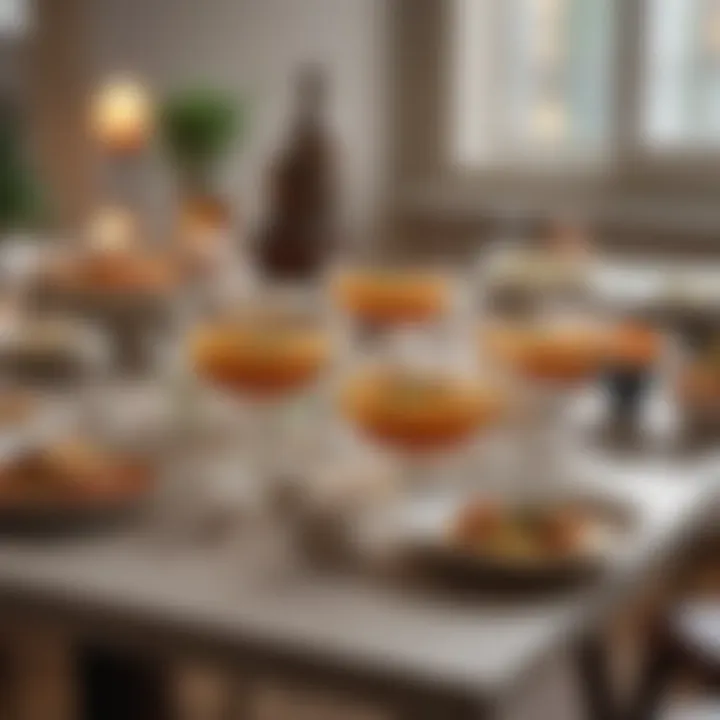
pixel 19 196
pixel 197 127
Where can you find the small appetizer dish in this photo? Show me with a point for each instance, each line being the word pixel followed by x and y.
pixel 110 286
pixel 517 278
pixel 68 483
pixel 51 349
pixel 554 539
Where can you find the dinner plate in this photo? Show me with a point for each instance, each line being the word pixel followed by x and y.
pixel 122 497
pixel 420 531
pixel 51 350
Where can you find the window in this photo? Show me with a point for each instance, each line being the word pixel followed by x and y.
pixel 13 17
pixel 682 95
pixel 531 80
pixel 536 81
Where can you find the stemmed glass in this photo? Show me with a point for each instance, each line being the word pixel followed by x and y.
pixel 412 385
pixel 423 400
pixel 265 352
pixel 551 358
pixel 376 301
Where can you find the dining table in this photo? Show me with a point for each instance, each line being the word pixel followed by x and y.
pixel 413 649
pixel 373 638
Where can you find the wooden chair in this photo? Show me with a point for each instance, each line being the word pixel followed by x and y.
pixel 688 644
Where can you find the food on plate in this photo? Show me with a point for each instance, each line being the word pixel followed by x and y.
pixel 521 532
pixel 121 271
pixel 558 268
pixel 68 472
pixel 49 345
pixel 49 349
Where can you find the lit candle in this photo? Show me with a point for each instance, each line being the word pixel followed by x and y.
pixel 111 231
pixel 121 116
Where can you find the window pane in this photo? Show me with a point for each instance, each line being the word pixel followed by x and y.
pixel 682 107
pixel 13 17
pixel 557 62
pixel 531 78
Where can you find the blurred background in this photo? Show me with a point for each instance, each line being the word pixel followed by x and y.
pixel 451 114
pixel 54 58
pixel 158 151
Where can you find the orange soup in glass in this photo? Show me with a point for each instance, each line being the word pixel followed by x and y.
pixel 387 297
pixel 633 345
pixel 563 354
pixel 260 355
pixel 417 411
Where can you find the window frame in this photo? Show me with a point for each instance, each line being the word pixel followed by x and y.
pixel 22 12
pixel 623 154
pixel 464 111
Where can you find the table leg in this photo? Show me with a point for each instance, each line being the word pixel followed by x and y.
pixel 596 688
pixel 654 684
pixel 239 700
pixel 204 691
pixel 40 680
pixel 116 686
pixel 424 710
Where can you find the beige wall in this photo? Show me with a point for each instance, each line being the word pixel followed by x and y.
pixel 252 47
pixel 418 57
pixel 53 67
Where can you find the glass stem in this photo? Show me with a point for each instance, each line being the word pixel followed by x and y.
pixel 543 443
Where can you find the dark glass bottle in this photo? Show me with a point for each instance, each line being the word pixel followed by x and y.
pixel 298 235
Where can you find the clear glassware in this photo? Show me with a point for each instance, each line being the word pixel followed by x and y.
pixel 422 397
pixel 552 358
pixel 374 301
pixel 268 353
